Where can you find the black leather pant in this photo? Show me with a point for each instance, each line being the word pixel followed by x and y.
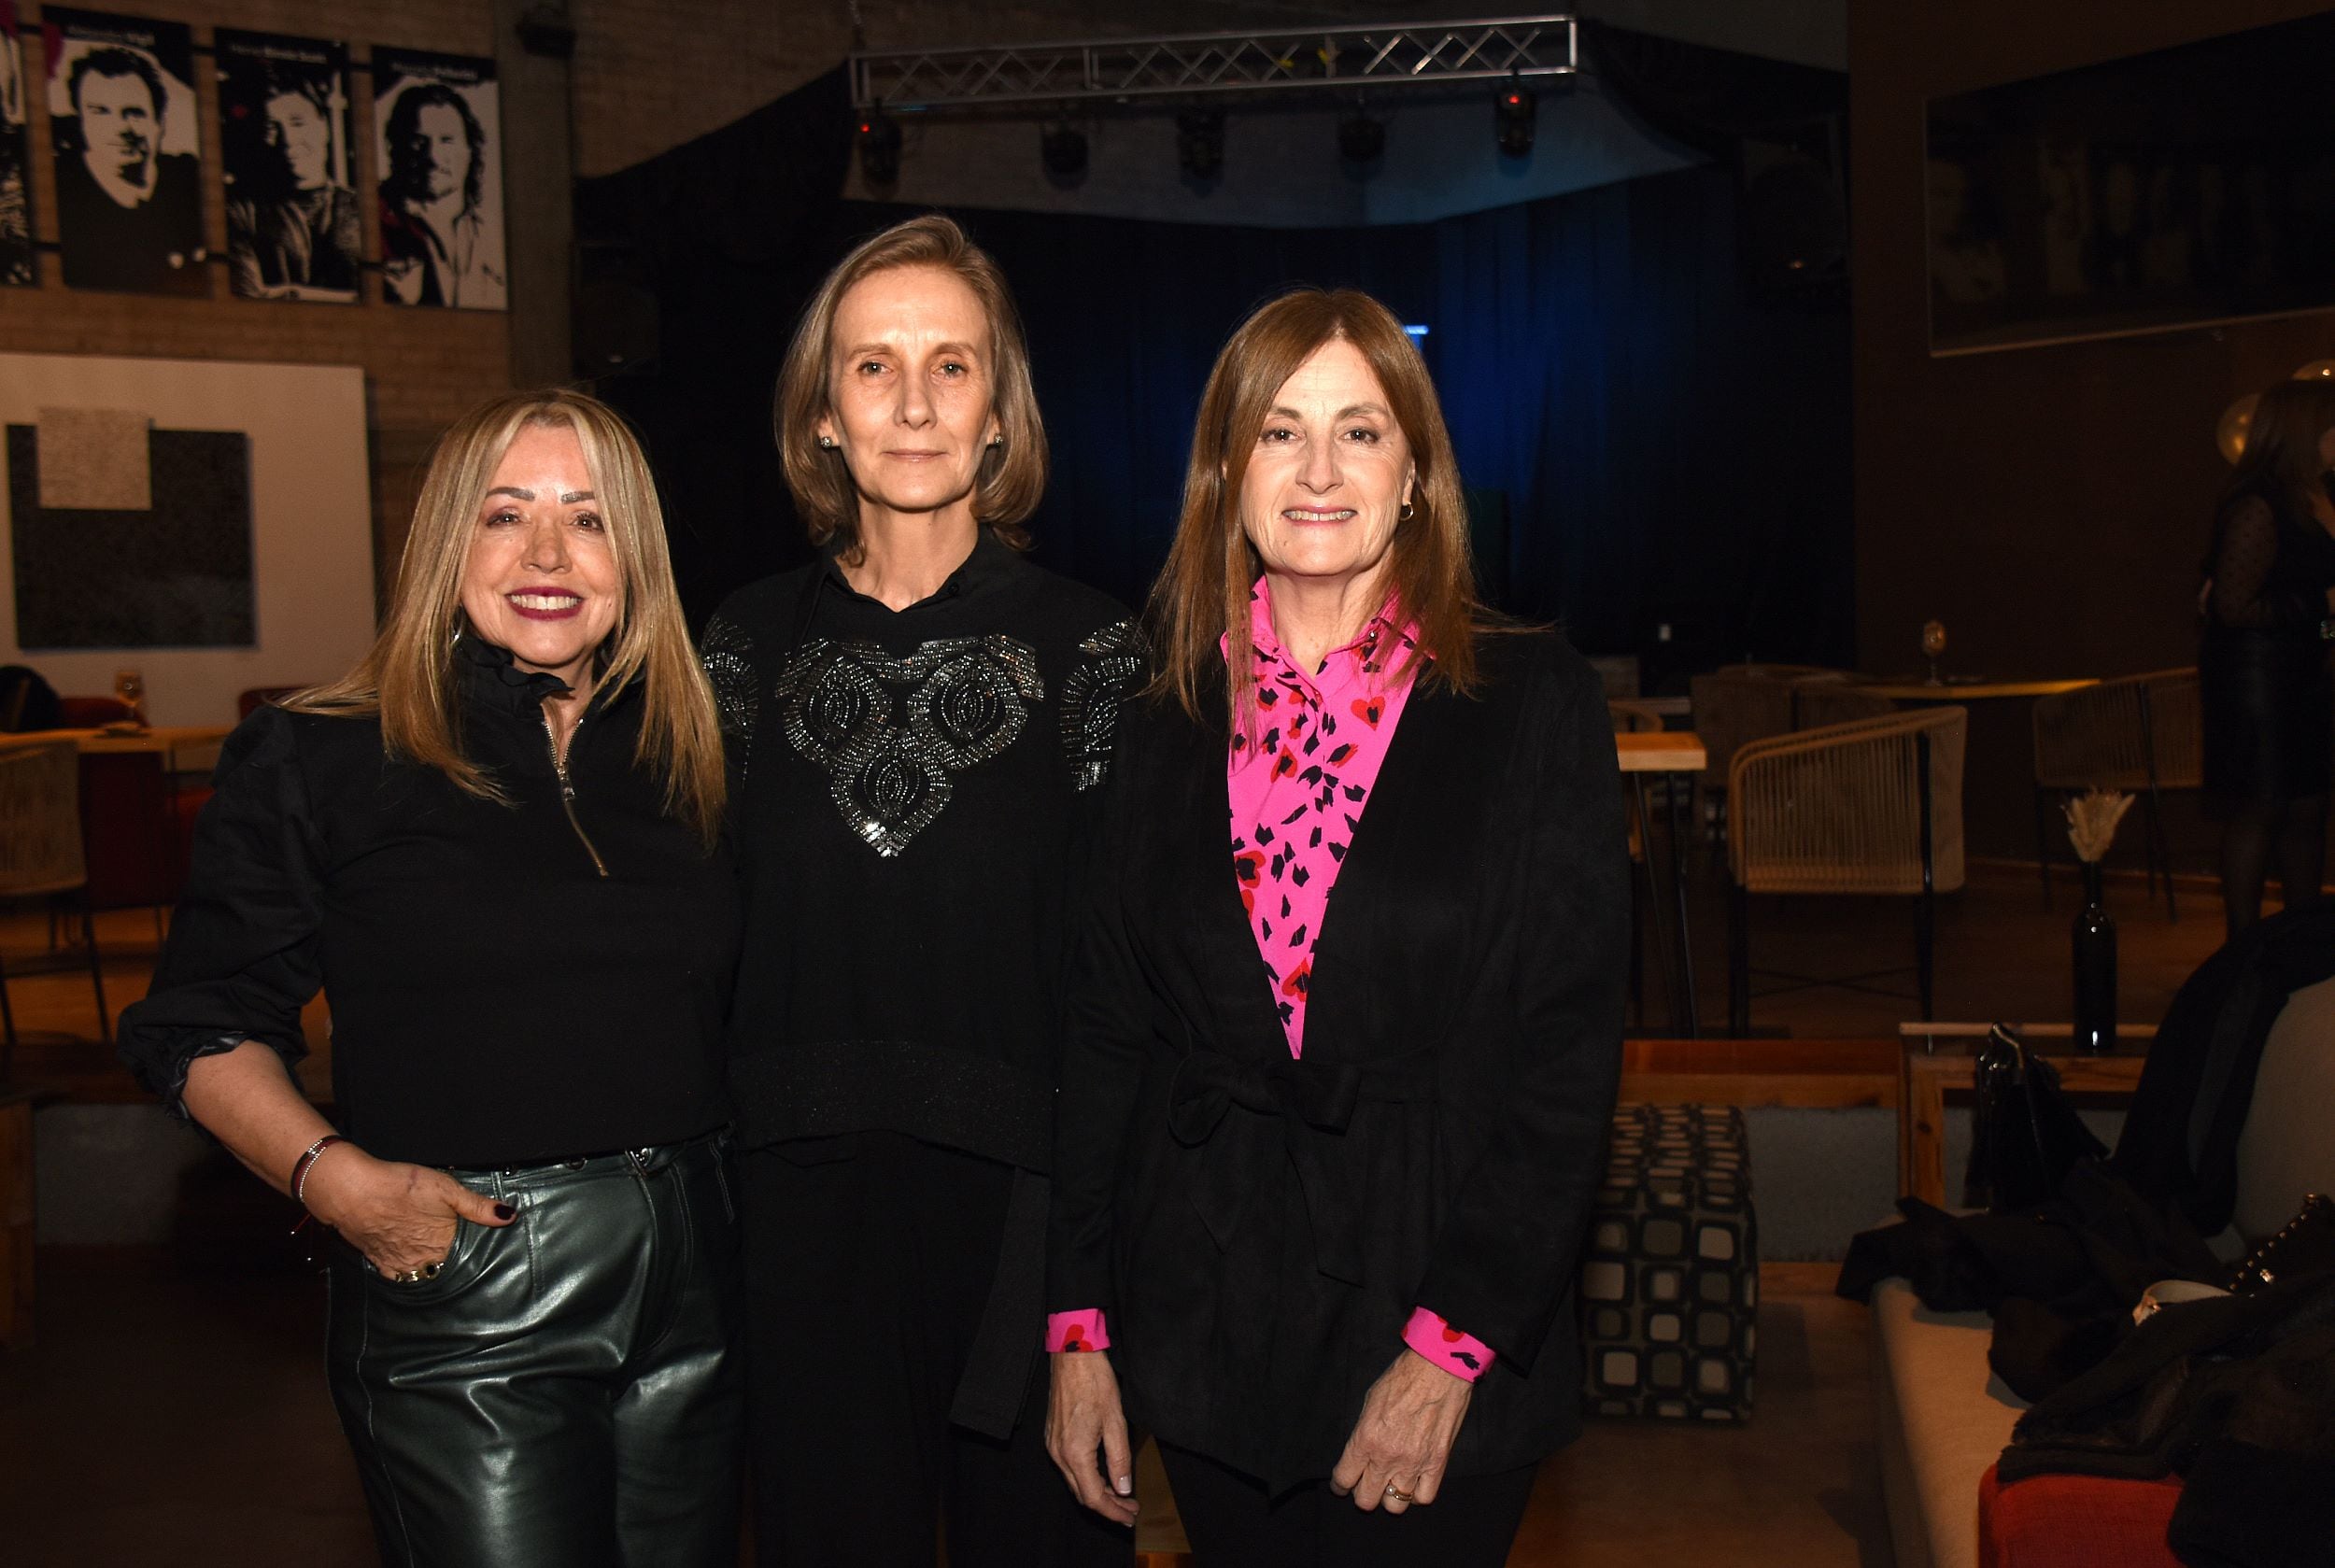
pixel 566 1392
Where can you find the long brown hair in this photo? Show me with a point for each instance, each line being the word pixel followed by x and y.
pixel 1012 474
pixel 2281 448
pixel 407 678
pixel 1202 595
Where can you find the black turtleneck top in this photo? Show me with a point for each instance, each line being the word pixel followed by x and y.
pixel 509 983
pixel 906 794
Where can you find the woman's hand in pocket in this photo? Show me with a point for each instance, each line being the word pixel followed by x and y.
pixel 401 1217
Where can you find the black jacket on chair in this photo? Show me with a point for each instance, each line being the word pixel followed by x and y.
pixel 1258 1229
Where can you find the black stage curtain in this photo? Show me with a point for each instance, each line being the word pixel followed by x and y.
pixel 1665 447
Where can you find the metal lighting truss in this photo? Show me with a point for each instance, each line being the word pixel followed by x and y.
pixel 1206 64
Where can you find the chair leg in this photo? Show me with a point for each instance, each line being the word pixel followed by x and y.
pixel 96 975
pixel 7 1030
pixel 2043 839
pixel 1925 952
pixel 2160 853
pixel 1738 961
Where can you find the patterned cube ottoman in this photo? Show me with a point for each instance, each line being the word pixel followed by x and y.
pixel 1670 1281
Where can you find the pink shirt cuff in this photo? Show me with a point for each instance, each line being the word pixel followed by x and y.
pixel 1082 1330
pixel 1462 1355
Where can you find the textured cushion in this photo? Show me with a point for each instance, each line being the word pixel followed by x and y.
pixel 1947 1417
pixel 2076 1521
pixel 1670 1284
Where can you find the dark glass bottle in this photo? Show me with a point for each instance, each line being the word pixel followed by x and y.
pixel 2094 941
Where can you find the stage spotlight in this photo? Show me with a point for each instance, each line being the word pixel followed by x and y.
pixel 1064 149
pixel 1360 138
pixel 879 141
pixel 1512 114
pixel 1201 143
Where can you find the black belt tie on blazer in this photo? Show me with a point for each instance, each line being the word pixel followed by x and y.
pixel 1315 1103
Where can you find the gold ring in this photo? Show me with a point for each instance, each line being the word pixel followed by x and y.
pixel 416 1276
pixel 1398 1494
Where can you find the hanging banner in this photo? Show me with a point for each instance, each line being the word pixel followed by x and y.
pixel 437 127
pixel 294 231
pixel 128 145
pixel 17 268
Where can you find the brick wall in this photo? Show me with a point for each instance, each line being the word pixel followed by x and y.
pixel 422 367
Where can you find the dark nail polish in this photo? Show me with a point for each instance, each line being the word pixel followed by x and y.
pixel 504 1211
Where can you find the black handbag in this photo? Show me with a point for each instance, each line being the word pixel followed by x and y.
pixel 2025 1135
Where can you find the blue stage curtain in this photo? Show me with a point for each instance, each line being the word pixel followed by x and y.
pixel 1673 450
pixel 1669 448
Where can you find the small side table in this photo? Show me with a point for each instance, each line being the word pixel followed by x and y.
pixel 1938 1059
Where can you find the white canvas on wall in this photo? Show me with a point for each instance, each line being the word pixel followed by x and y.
pixel 311 521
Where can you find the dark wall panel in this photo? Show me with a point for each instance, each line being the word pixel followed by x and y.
pixel 2050 504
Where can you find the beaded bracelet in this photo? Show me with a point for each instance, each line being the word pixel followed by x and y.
pixel 307 1161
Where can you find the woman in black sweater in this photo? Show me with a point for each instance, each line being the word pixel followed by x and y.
pixel 496 848
pixel 918 721
pixel 2262 662
pixel 1336 1083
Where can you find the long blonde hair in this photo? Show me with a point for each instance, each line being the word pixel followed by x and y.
pixel 407 678
pixel 1202 594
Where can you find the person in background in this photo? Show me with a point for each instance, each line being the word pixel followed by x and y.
pixel 299 236
pixel 435 249
pixel 130 213
pixel 919 720
pixel 497 847
pixel 1344 1026
pixel 2262 662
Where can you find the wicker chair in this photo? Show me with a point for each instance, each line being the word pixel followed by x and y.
pixel 1872 806
pixel 1618 671
pixel 1833 699
pixel 2142 734
pixel 40 852
pixel 1633 717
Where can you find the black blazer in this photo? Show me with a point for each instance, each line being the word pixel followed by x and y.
pixel 1259 1228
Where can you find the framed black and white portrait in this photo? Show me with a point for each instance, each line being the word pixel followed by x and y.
pixel 437 125
pixel 17 267
pixel 294 229
pixel 128 145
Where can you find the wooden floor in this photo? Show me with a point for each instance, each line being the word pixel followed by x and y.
pixel 175 1412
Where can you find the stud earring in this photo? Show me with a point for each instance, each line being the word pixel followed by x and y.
pixel 1406 515
pixel 827 442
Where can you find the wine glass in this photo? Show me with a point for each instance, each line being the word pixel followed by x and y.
pixel 130 687
pixel 1934 648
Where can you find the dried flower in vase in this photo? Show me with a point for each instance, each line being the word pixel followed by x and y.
pixel 2093 819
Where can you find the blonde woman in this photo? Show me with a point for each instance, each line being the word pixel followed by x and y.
pixel 496 847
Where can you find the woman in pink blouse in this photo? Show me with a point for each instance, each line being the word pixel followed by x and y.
pixel 1345 1028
